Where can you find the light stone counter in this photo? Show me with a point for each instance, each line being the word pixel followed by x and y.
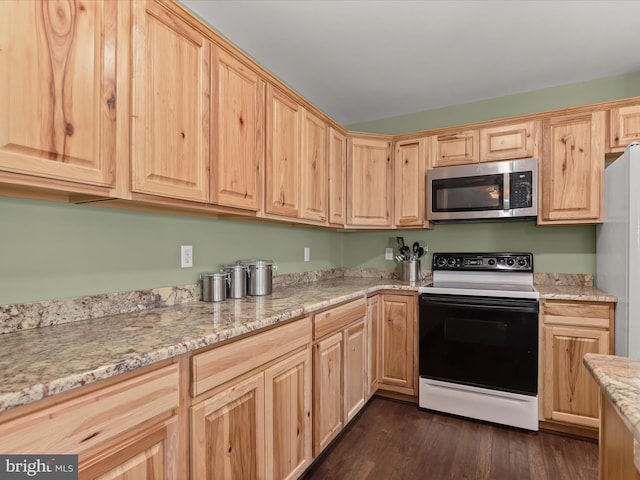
pixel 49 349
pixel 41 362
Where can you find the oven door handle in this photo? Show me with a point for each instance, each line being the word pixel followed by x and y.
pixel 522 307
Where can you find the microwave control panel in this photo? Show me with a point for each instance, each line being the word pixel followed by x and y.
pixel 521 190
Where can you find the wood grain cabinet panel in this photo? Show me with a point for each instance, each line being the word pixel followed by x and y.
pixel 58 94
pixel 355 374
pixel 288 417
pixel 337 178
pixel 455 149
pixel 624 127
pixel 570 330
pixel 328 396
pixel 508 142
pixel 397 356
pixel 314 168
pixel 171 105
pixel 237 133
pixel 572 185
pixel 410 179
pixel 369 182
pixel 283 154
pixel 227 433
pixel 373 343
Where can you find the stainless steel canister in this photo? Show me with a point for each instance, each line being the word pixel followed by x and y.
pixel 410 271
pixel 214 286
pixel 237 286
pixel 260 276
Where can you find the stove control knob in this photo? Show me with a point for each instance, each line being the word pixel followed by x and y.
pixel 511 262
pixel 451 262
pixel 522 262
pixel 491 262
pixel 441 261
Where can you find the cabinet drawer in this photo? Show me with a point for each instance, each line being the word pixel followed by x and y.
pixel 80 424
pixel 217 366
pixel 588 314
pixel 336 318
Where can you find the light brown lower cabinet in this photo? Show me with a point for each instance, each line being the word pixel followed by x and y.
pixel 128 429
pixel 340 369
pixel 398 349
pixel 373 337
pixel 257 424
pixel 617 446
pixel 570 329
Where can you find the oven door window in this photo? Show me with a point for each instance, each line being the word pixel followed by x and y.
pixel 478 341
pixel 484 192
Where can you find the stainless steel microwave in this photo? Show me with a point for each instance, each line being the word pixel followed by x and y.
pixel 506 190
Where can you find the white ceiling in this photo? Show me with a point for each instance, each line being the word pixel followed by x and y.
pixel 361 60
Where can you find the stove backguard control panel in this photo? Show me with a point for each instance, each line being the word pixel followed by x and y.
pixel 512 262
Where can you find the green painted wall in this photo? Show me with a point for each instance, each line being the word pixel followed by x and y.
pixel 51 250
pixel 555 249
pixel 576 94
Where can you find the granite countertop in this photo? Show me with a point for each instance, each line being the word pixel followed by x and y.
pixel 41 362
pixel 574 292
pixel 619 379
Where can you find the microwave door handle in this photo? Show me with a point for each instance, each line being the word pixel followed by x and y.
pixel 506 190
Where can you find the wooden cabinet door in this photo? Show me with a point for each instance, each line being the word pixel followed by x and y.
pixel 227 433
pixel 58 89
pixel 572 164
pixel 397 342
pixel 508 142
pixel 171 105
pixel 624 127
pixel 327 391
pixel 149 455
pixel 283 154
pixel 337 178
pixel 455 149
pixel 570 393
pixel 237 133
pixel 355 369
pixel 410 178
pixel 369 182
pixel 288 417
pixel 314 168
pixel 373 336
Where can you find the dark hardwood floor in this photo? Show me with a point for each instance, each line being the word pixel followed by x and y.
pixel 396 440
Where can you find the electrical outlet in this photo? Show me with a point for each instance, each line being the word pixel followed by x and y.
pixel 388 253
pixel 307 254
pixel 186 256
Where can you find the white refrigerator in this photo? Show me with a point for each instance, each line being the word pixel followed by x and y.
pixel 618 247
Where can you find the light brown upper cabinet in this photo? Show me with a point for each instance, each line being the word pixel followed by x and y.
pixel 369 181
pixel 171 105
pixel 237 133
pixel 572 167
pixel 410 179
pixel 507 142
pixel 282 170
pixel 337 177
pixel 455 148
pixel 58 96
pixel 314 168
pixel 624 127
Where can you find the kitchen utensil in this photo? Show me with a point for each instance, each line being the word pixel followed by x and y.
pixel 214 286
pixel 420 252
pixel 405 252
pixel 400 241
pixel 414 249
